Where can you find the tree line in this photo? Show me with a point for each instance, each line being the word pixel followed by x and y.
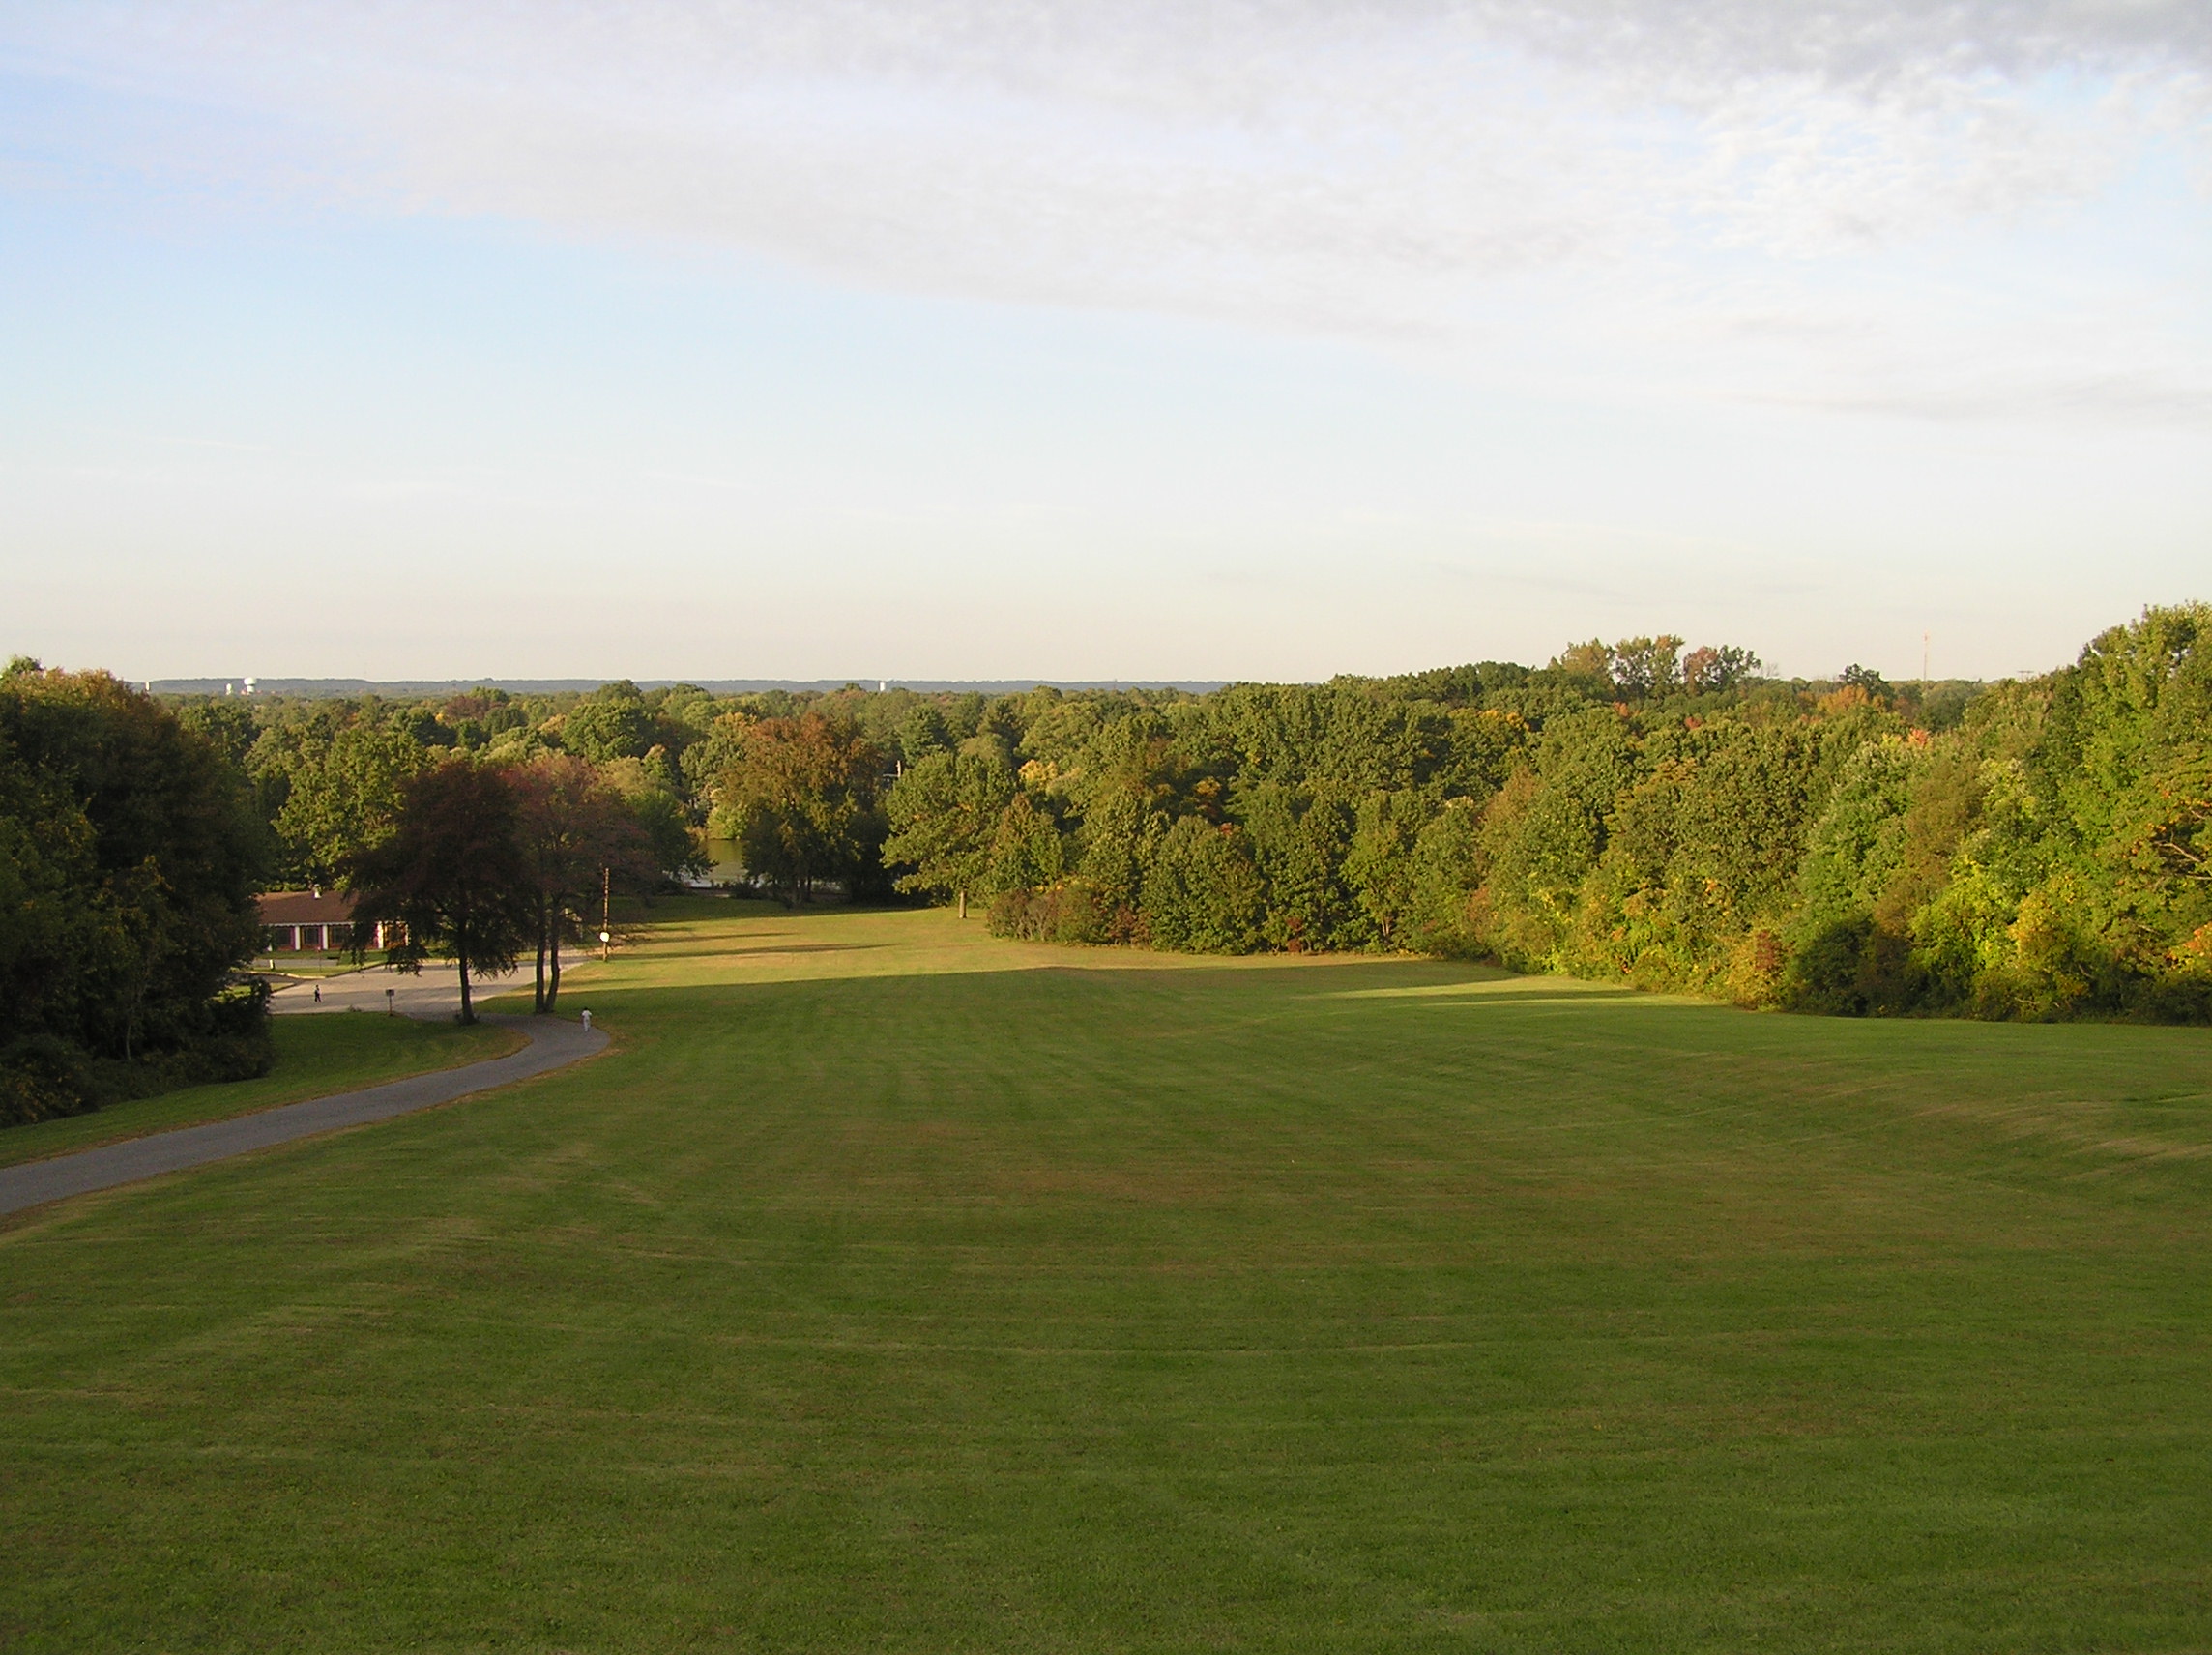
pixel 1630 812
pixel 1634 811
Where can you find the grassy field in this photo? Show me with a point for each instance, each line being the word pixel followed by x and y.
pixel 282 967
pixel 893 1289
pixel 315 1055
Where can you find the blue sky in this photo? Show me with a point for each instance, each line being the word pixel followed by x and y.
pixel 968 340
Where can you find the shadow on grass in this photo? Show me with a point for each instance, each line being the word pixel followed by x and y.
pixel 1239 993
pixel 1232 994
pixel 2019 1103
pixel 1505 989
pixel 925 967
pixel 656 952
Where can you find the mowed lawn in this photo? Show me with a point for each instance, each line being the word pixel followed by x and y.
pixel 888 1288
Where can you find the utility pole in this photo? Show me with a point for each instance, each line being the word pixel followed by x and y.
pixel 606 916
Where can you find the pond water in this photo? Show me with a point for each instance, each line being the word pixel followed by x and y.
pixel 723 865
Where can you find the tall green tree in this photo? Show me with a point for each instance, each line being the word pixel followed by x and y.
pixel 226 723
pixel 1299 843
pixel 1446 872
pixel 452 874
pixel 1379 863
pixel 130 854
pixel 922 733
pixel 342 784
pixel 1203 894
pixel 1027 852
pixel 612 723
pixel 1643 668
pixel 943 815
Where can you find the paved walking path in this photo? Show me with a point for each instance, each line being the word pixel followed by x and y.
pixel 553 1043
pixel 432 993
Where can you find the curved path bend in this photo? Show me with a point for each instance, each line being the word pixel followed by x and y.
pixel 553 1044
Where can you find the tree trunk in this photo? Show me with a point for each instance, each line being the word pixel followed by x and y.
pixel 553 955
pixel 539 1004
pixel 963 902
pixel 468 1010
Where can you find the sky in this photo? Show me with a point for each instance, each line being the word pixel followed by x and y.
pixel 1006 339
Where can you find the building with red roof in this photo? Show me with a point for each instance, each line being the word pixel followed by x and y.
pixel 312 922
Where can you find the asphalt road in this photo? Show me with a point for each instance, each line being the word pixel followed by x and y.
pixel 433 993
pixel 554 1043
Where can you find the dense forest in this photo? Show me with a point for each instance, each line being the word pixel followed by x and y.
pixel 1632 812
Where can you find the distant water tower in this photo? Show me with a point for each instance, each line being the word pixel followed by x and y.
pixel 250 683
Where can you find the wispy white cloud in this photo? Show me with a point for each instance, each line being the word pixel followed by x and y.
pixel 1700 198
pixel 2116 398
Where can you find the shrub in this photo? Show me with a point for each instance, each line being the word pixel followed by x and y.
pixel 41 1077
pixel 1068 910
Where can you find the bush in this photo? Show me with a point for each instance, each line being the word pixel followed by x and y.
pixel 42 1077
pixel 1068 911
pixel 1851 968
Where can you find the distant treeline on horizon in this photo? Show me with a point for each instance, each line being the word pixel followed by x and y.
pixel 327 688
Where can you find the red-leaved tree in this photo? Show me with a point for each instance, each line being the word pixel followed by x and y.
pixel 578 835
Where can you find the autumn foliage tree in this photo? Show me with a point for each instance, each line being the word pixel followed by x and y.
pixel 799 797
pixel 575 831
